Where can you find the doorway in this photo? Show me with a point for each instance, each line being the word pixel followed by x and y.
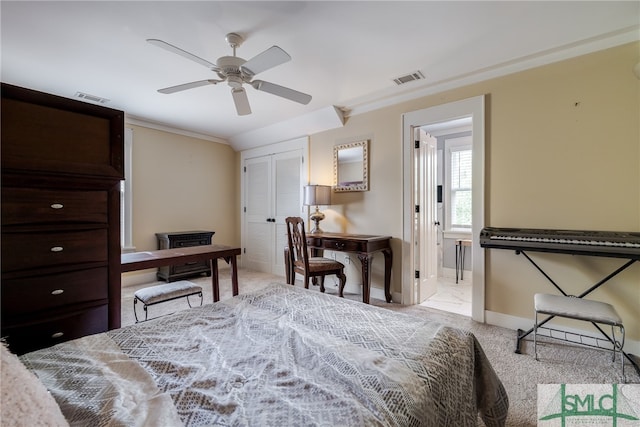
pixel 452 189
pixel 472 108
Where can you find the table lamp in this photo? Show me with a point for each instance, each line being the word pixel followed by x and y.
pixel 315 195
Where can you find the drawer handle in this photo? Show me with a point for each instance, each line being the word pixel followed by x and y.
pixel 56 249
pixel 57 335
pixel 339 245
pixel 57 292
pixel 57 206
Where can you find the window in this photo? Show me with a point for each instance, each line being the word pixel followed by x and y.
pixel 459 154
pixel 126 196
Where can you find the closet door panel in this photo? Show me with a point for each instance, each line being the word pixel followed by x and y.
pixel 258 209
pixel 287 200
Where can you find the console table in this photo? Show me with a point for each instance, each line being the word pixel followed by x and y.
pixel 364 245
pixel 152 259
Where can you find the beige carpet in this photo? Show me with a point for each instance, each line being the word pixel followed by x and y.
pixel 520 373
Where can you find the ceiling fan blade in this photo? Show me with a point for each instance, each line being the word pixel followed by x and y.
pixel 185 86
pixel 183 53
pixel 241 101
pixel 282 91
pixel 265 60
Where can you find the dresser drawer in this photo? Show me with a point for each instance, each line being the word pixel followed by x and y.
pixel 32 294
pixel 21 251
pixel 50 331
pixel 38 206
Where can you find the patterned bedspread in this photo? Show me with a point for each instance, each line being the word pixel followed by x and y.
pixel 281 356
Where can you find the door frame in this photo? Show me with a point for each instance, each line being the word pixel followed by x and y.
pixel 301 143
pixel 473 107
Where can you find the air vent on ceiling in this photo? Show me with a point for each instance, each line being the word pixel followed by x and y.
pixel 91 98
pixel 409 78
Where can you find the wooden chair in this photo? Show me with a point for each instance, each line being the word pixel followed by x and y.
pixel 302 263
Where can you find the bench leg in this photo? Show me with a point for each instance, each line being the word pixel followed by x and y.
pixel 618 345
pixel 189 302
pixel 535 334
pixel 135 314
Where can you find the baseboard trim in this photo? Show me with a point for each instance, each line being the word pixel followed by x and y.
pixel 514 322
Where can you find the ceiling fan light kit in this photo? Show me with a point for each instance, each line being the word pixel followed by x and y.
pixel 236 72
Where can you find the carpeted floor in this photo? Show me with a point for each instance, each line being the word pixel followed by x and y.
pixel 520 373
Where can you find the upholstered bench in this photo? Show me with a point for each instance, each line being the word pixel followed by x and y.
pixel 580 309
pixel 163 293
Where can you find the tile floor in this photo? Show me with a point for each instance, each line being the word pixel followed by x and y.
pixel 451 296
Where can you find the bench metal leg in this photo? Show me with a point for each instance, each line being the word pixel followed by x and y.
pixel 189 302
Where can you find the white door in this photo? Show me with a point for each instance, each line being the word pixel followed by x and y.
pixel 287 183
pixel 427 229
pixel 273 191
pixel 257 214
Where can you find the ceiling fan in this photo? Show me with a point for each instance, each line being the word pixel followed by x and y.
pixel 237 71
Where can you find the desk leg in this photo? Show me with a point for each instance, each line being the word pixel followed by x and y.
pixel 457 261
pixel 215 283
pixel 388 260
pixel 234 275
pixel 365 259
pixel 287 266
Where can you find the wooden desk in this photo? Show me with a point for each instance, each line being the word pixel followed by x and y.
pixel 364 245
pixel 210 253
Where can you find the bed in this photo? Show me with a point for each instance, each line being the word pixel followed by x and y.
pixel 279 356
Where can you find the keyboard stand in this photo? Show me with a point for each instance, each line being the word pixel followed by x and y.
pixel 522 334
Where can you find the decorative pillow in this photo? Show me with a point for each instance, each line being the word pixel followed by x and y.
pixel 24 399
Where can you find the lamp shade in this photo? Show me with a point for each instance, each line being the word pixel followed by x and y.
pixel 315 195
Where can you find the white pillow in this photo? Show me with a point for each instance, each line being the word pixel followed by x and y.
pixel 24 400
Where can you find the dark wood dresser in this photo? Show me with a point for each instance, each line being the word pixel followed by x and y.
pixel 62 162
pixel 182 239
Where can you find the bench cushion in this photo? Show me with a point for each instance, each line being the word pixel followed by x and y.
pixel 167 291
pixel 577 308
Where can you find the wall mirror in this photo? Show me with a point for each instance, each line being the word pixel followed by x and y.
pixel 350 166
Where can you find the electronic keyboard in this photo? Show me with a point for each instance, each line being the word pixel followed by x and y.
pixel 616 244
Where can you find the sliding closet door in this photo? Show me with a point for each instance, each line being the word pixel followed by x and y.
pixel 273 189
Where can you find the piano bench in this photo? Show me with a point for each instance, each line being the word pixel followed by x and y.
pixel 580 309
pixel 163 293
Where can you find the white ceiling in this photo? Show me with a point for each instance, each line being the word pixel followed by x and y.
pixel 344 54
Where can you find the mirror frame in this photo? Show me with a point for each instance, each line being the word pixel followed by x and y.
pixel 364 186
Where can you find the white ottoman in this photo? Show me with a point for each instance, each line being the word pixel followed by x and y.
pixel 163 293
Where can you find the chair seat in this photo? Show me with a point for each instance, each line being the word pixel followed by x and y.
pixel 324 264
pixel 318 264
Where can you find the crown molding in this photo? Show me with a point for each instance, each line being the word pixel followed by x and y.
pixel 549 56
pixel 133 120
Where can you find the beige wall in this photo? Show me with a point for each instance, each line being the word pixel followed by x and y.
pixel 182 183
pixel 562 151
